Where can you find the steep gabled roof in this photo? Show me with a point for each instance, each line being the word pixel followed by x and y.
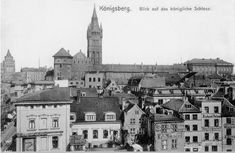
pixel 62 53
pixel 97 105
pixel 178 105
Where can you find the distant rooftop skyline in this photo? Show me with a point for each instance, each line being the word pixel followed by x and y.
pixel 36 30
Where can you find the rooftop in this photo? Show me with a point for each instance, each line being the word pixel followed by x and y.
pixel 62 53
pixel 166 118
pixel 49 95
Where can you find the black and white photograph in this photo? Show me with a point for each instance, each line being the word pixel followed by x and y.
pixel 117 76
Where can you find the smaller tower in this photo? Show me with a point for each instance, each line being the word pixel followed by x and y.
pixel 62 65
pixel 8 65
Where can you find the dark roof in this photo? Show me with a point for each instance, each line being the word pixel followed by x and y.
pixel 96 105
pixel 129 107
pixel 55 94
pixel 207 61
pixel 219 94
pixel 90 92
pixel 178 106
pixel 62 53
pixel 166 118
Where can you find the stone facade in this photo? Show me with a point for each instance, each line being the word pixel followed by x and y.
pixel 210 66
pixel 43 125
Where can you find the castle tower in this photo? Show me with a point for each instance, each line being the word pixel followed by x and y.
pixel 62 65
pixel 8 65
pixel 94 40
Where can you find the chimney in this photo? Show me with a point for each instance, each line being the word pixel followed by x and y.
pixel 78 96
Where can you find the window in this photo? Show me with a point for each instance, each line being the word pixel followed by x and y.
pixel 216 122
pixel 187 127
pixel 164 143
pixel 110 117
pixel 207 124
pixel 74 133
pixel 214 148
pixel 90 117
pixel 187 139
pixel 187 149
pixel 94 79
pixel 164 128
pixel 89 79
pixel 206 109
pixel 187 106
pixel 195 149
pixel 132 121
pixel 174 127
pixel 31 123
pixel 95 134
pixel 228 132
pixel 85 134
pixel 132 132
pixel 229 141
pixel 160 101
pixel 98 79
pixel 195 139
pixel 43 123
pixel 206 148
pixel 195 128
pixel 174 144
pixel 228 120
pixel 206 136
pixel 55 142
pixel 187 117
pixel 194 116
pixel 55 122
pixel 105 133
pixel 216 109
pixel 72 117
pixel 216 136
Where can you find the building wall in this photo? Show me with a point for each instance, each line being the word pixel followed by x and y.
pixel 62 68
pixel 225 126
pixel 212 129
pixel 193 146
pixel 35 76
pixel 25 113
pixel 94 80
pixel 168 136
pixel 134 113
pixel 100 126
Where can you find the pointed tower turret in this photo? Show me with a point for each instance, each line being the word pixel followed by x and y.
pixel 94 40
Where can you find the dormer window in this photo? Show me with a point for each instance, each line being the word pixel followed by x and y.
pixel 91 116
pixel 110 116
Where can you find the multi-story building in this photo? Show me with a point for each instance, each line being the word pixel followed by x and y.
pixel 168 133
pixel 94 80
pixel 131 121
pixel 211 125
pixel 43 120
pixel 62 65
pixel 96 119
pixel 210 66
pixel 34 74
pixel 228 126
pixel 192 122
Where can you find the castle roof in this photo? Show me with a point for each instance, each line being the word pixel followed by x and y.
pixel 62 53
pixel 8 53
pixel 207 61
pixel 80 55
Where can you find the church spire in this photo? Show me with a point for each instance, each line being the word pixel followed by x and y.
pixel 8 53
pixel 94 19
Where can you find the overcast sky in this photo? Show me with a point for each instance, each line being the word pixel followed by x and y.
pixel 37 29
